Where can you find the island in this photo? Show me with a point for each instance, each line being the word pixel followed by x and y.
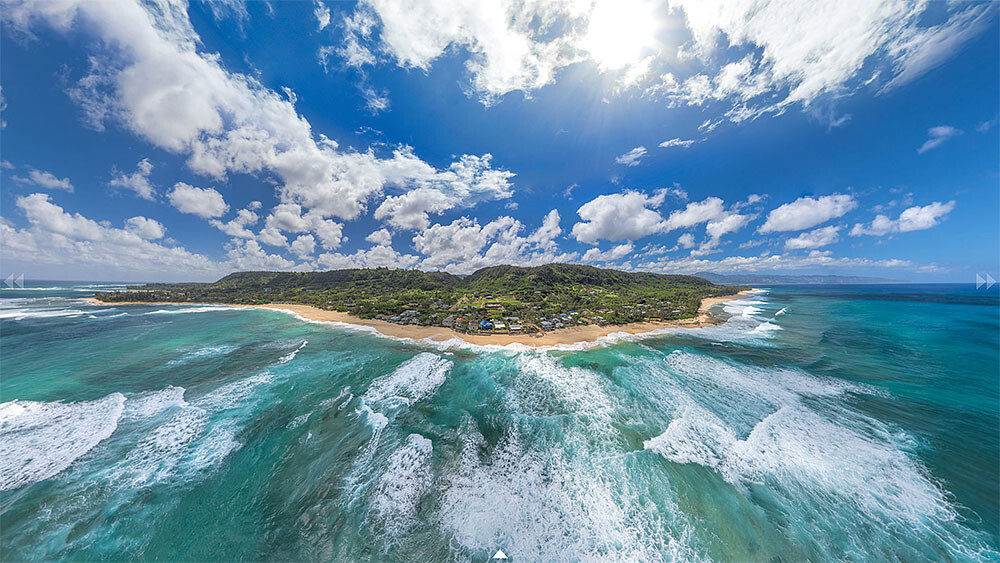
pixel 553 303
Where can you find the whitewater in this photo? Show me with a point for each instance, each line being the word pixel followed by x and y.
pixel 804 427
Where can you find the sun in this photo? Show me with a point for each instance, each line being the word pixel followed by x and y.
pixel 620 33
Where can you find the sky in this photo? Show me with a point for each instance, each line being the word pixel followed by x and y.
pixel 164 140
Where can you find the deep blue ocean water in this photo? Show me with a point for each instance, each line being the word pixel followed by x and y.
pixel 818 423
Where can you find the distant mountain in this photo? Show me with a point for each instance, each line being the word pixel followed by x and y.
pixel 750 279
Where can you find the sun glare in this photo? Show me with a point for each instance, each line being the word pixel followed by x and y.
pixel 620 33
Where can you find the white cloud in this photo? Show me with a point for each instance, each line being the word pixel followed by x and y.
pixel 615 253
pixel 807 212
pixel 149 229
pixel 379 256
pixel 985 126
pixel 511 46
pixel 686 240
pixel 624 216
pixel 51 218
pixel 153 80
pixel 676 142
pixel 288 217
pixel 751 58
pixel 631 158
pixel 44 179
pixel 71 241
pixel 718 221
pixel 936 136
pixel 203 202
pixel 921 50
pixel 247 254
pixel 915 218
pixel 777 262
pixel 322 14
pixel 137 181
pixel 466 182
pixel 808 52
pixel 464 246
pixel 381 237
pixel 824 236
pixel 304 246
pixel 695 213
pixel 726 223
pixel 237 227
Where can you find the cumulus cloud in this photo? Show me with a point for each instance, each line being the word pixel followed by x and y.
pixel 936 136
pixel 625 216
pixel 70 240
pixel 304 246
pixel 244 254
pixel 915 218
pixel 289 217
pixel 137 181
pixel 466 182
pixel 464 245
pixel 719 221
pixel 153 80
pixel 632 157
pixel 149 229
pixel 203 202
pixel 379 256
pixel 614 253
pixel 807 212
pixel 44 179
pixel 381 237
pixel 237 226
pixel 824 236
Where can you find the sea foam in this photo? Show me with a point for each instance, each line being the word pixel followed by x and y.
pixel 406 479
pixel 39 440
pixel 416 379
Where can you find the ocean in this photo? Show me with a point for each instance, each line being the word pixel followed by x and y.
pixel 818 423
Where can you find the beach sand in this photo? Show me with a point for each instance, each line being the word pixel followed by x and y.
pixel 569 335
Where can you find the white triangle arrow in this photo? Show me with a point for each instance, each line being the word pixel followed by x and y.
pixel 979 281
pixel 20 281
pixel 9 281
pixel 990 281
pixel 500 555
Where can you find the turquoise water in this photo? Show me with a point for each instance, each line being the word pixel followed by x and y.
pixel 817 423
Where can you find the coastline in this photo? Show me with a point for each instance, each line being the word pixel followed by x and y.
pixel 562 336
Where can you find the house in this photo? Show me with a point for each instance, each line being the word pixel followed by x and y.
pixel 448 321
pixel 546 325
pixel 499 326
pixel 473 326
pixel 493 305
pixel 485 324
pixel 516 328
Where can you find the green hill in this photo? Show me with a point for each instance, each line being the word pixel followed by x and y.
pixel 558 294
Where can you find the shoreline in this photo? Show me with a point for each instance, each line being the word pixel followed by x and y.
pixel 438 334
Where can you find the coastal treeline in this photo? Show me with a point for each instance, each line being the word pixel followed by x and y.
pixel 499 298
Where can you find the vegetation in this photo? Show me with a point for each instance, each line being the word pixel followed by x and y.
pixel 528 299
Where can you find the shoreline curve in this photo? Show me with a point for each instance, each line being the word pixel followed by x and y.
pixel 440 334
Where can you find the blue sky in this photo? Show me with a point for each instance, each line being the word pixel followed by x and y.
pixel 181 141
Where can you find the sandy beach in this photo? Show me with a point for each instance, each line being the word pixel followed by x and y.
pixel 569 335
